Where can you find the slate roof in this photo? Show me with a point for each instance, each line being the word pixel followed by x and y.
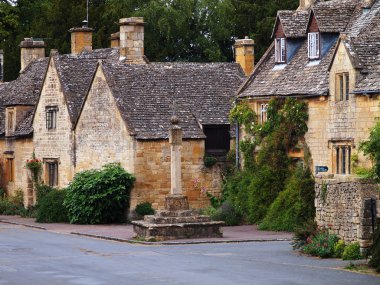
pixel 294 23
pixel 300 77
pixel 144 94
pixel 333 16
pixel 22 91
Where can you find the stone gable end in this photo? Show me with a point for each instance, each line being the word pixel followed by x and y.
pixel 101 133
pixel 54 143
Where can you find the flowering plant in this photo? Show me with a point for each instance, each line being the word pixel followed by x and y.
pixel 34 165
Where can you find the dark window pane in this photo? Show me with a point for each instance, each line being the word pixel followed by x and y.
pixel 343 160
pixel 217 139
pixel 337 160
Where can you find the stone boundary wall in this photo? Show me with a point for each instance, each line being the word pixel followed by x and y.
pixel 343 204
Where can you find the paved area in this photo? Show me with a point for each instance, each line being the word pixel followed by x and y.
pixel 32 256
pixel 125 232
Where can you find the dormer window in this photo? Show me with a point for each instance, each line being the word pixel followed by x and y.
pixel 280 48
pixel 314 45
pixel 51 117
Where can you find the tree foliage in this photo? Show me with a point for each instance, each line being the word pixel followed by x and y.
pixel 176 30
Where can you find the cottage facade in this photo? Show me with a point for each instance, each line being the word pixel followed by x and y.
pixel 94 107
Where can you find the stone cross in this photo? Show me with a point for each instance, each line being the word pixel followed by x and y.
pixel 175 140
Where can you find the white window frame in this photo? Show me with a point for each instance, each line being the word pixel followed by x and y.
pixel 314 45
pixel 280 50
pixel 263 113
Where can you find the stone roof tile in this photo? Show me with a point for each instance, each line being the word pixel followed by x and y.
pixel 294 23
pixel 201 92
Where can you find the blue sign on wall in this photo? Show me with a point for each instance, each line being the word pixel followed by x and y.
pixel 321 169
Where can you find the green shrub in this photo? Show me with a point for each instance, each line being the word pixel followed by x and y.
pixel 375 249
pixel 339 248
pixel 294 205
pixel 8 207
pixel 352 252
pixel 322 244
pixel 51 208
pixel 303 232
pixel 99 196
pixel 17 198
pixel 227 214
pixel 209 161
pixel 145 208
pixel 42 190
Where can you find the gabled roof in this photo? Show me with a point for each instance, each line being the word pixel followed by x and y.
pixel 333 16
pixel 297 78
pixel 294 23
pixel 201 92
pixel 22 91
pixel 76 72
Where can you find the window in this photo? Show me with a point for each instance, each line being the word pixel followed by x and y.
pixel 313 45
pixel 10 121
pixel 342 86
pixel 51 117
pixel 10 169
pixel 342 159
pixel 52 172
pixel 263 113
pixel 280 49
pixel 217 139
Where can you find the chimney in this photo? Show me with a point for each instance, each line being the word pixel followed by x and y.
pixel 115 40
pixel 305 4
pixel 132 39
pixel 245 54
pixel 31 49
pixel 81 39
pixel 1 66
pixel 367 4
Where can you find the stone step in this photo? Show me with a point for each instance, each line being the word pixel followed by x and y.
pixel 183 213
pixel 176 220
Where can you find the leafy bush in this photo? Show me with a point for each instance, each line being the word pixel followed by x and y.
pixel 372 149
pixel 303 232
pixel 51 209
pixel 227 214
pixel 339 248
pixel 145 208
pixel 375 249
pixel 17 198
pixel 42 190
pixel 99 196
pixel 8 207
pixel 322 244
pixel 209 161
pixel 352 252
pixel 294 205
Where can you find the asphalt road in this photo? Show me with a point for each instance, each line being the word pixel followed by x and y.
pixel 29 256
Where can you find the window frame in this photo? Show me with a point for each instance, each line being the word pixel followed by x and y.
pixel 342 86
pixel 51 117
pixel 263 113
pixel 10 120
pixel 10 169
pixel 280 50
pixel 314 45
pixel 342 157
pixel 51 172
pixel 223 143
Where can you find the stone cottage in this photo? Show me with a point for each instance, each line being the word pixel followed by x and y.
pixel 93 107
pixel 327 53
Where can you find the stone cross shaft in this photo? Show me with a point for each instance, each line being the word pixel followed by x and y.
pixel 175 140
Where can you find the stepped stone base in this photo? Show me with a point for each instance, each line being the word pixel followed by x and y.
pixel 177 222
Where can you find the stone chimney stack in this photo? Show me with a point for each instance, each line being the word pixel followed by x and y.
pixel 245 54
pixel 31 49
pixel 132 39
pixel 368 3
pixel 305 4
pixel 1 66
pixel 81 39
pixel 115 40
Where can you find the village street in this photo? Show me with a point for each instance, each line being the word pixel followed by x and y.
pixel 31 256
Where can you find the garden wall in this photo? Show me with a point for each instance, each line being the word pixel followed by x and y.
pixel 343 204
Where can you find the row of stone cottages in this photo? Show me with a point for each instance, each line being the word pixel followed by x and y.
pixel 89 108
pixel 328 54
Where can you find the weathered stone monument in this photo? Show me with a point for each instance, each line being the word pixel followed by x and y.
pixel 177 221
